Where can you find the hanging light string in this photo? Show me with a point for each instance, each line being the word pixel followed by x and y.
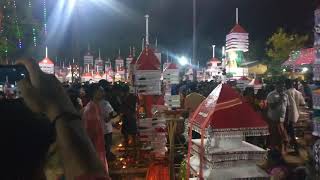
pixel 2 30
pixel 45 17
pixel 34 37
pixel 17 25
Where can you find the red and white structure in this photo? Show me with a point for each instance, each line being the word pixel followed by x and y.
pixel 46 65
pixel 120 68
pixel 214 67
pixel 223 120
pixel 98 64
pixel 148 73
pixel 88 61
pixel 170 79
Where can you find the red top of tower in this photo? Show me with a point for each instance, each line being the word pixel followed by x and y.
pixel 147 60
pixel 238 29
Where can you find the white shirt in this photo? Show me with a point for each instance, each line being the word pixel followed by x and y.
pixel 106 109
pixel 277 113
pixel 295 99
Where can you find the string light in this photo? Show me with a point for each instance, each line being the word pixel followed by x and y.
pixel 34 37
pixel 45 17
pixel 17 25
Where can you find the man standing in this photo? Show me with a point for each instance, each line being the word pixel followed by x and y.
pixel 107 114
pixel 92 117
pixel 129 119
pixel 277 106
pixel 295 101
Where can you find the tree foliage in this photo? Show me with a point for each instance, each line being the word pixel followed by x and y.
pixel 280 45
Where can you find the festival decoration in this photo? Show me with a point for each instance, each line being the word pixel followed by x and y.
pixel 120 69
pixel 171 80
pixel 88 61
pixel 223 120
pixel 237 43
pixel 214 68
pixel 98 63
pixel 46 65
pixel 128 63
pixel 148 74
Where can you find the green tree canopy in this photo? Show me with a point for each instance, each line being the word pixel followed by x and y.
pixel 281 43
pixel 279 47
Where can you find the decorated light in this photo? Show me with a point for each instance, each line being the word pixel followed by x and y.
pixel 17 25
pixel 45 17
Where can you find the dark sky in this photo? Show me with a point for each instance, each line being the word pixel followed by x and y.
pixel 122 25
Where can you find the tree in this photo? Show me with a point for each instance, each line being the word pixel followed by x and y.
pixel 280 45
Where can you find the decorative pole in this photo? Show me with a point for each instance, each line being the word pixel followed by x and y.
pixel 237 15
pixel 213 46
pixel 147 29
pixel 46 51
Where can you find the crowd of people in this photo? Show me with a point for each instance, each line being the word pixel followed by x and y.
pixel 79 119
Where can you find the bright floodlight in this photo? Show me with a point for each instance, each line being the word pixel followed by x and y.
pixel 183 60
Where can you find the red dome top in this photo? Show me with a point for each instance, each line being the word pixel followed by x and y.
pixel 238 29
pixel 147 60
pixel 172 66
pixel 46 61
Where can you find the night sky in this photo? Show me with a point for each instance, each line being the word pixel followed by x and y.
pixel 123 25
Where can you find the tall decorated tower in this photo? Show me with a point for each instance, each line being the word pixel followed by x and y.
pixel 120 69
pixel 88 61
pixel 237 43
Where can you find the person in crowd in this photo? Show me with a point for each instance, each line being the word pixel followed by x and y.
pixel 295 101
pixel 43 93
pixel 84 96
pixel 277 106
pixel 261 101
pixel 93 122
pixel 307 93
pixel 75 99
pixel 107 114
pixel 128 114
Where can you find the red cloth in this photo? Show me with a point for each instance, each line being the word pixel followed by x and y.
pixel 93 124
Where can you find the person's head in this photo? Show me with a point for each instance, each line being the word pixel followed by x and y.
pixel 25 138
pixel 280 87
pixel 289 83
pixel 95 92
